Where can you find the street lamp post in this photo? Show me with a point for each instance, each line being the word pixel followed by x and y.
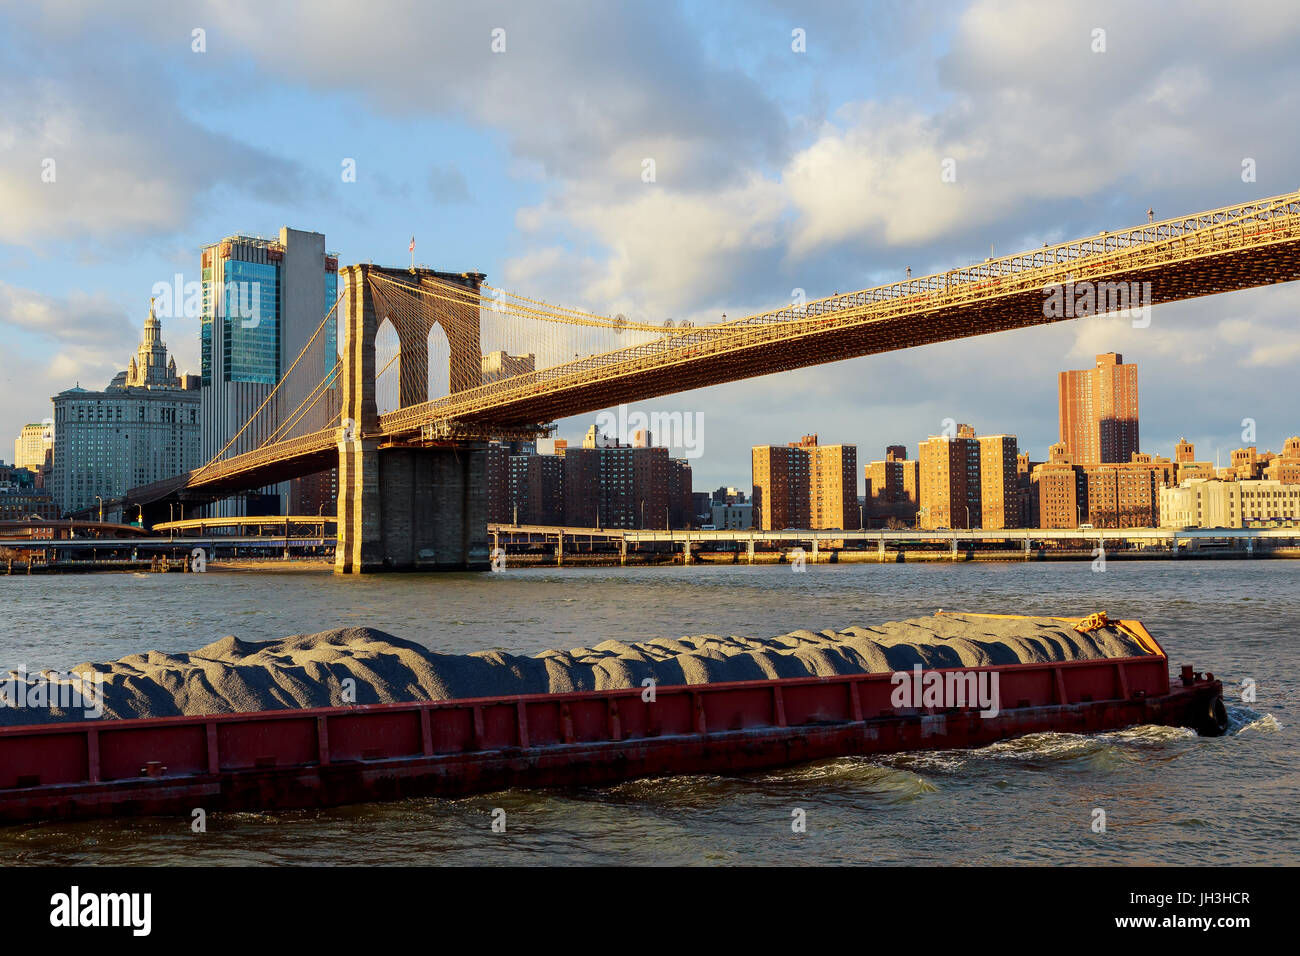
pixel 101 508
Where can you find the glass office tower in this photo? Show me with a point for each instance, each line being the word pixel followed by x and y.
pixel 262 301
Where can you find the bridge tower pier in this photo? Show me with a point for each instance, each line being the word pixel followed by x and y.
pixel 401 507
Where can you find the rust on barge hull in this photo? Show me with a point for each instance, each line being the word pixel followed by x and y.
pixel 277 760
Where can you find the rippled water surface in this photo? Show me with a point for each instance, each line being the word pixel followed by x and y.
pixel 1169 796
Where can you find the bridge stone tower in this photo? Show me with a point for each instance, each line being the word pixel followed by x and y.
pixel 407 505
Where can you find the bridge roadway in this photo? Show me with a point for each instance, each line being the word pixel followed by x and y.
pixel 750 538
pixel 161 545
pixel 243 523
pixel 64 526
pixel 725 540
pixel 227 532
pixel 1222 250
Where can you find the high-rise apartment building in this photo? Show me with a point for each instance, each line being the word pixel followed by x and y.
pixel 142 428
pixel 517 486
pixel 496 471
pixel 833 485
pixel 681 493
pixel 805 485
pixel 545 489
pixel 780 498
pixel 1025 506
pixel 1099 411
pixel 893 487
pixel 599 487
pixel 506 476
pixel 606 484
pixel 999 504
pixel 950 480
pixel 263 302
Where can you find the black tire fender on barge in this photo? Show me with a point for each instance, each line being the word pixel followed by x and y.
pixel 1214 720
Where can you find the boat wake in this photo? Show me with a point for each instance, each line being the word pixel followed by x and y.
pixel 1104 751
pixel 1242 719
pixel 894 784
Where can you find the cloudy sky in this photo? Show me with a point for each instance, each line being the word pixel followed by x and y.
pixel 775 169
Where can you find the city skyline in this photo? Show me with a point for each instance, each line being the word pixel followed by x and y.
pixel 700 464
pixel 651 433
pixel 582 227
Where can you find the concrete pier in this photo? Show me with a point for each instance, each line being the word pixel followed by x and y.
pixel 412 509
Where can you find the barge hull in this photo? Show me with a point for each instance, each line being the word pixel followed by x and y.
pixel 280 760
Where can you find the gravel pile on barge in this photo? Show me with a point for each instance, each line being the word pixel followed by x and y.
pixel 321 670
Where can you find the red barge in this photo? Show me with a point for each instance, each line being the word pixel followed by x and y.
pixel 283 759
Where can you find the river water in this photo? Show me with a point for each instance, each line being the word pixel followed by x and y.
pixel 1168 796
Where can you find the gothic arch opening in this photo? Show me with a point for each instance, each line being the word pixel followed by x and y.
pixel 439 347
pixel 386 381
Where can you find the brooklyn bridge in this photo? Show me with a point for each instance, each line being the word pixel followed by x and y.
pixel 412 491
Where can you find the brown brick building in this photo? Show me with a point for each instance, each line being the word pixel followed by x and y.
pixel 1185 464
pixel 1125 496
pixel 545 484
pixel 805 485
pixel 1113 495
pixel 1056 490
pixel 499 510
pixel 1099 411
pixel 999 506
pixel 1026 507
pixel 681 492
pixel 893 487
pixel 781 492
pixel 599 488
pixel 833 485
pixel 950 480
pixel 1286 466
pixel 650 487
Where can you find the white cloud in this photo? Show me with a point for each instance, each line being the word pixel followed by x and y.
pixel 53 343
pixel 90 151
pixel 91 321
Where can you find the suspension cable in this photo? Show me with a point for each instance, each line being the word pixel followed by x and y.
pixel 268 398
